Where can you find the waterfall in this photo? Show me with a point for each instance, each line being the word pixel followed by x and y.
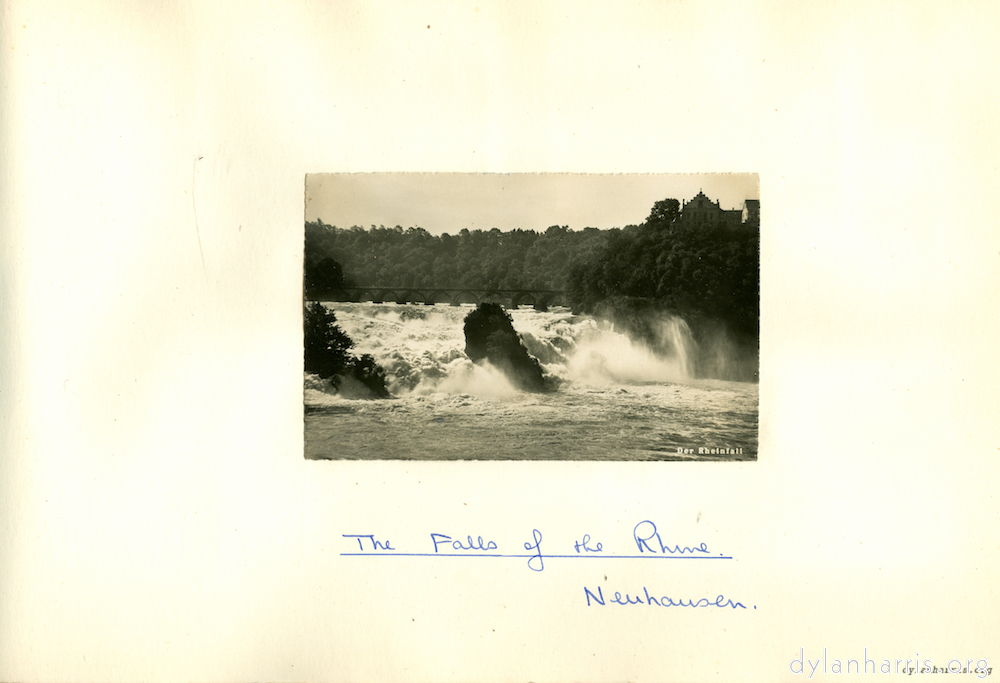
pixel 421 348
pixel 676 339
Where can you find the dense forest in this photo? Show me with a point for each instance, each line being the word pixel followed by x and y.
pixel 707 274
pixel 520 259
pixel 702 273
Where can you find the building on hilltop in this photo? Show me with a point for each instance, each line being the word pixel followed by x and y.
pixel 702 211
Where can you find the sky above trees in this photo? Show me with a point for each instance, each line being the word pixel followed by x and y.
pixel 448 202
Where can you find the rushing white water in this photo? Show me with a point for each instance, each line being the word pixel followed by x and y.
pixel 617 399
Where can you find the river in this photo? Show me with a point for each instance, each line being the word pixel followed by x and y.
pixel 617 399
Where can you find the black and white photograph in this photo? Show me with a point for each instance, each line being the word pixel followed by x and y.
pixel 531 316
pixel 499 342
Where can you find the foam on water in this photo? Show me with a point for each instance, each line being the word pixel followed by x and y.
pixel 422 349
pixel 619 398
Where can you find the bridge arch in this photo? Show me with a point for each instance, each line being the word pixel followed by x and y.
pixel 427 297
pixel 492 295
pixel 436 297
pixel 551 299
pixel 518 298
pixel 463 296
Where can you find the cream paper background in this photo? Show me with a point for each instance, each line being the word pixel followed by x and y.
pixel 159 522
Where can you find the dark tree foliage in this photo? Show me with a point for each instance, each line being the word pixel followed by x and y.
pixel 327 352
pixel 490 335
pixel 704 273
pixel 322 273
pixel 394 257
pixel 371 374
pixel 322 276
pixel 327 347
pixel 700 273
pixel 664 212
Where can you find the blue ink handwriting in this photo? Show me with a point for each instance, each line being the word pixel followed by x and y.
pixel 645 536
pixel 665 601
pixel 645 531
pixel 478 544
pixel 582 545
pixel 376 545
pixel 537 535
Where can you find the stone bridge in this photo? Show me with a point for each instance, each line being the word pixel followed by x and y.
pixel 540 299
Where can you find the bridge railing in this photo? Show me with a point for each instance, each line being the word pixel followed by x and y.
pixel 455 296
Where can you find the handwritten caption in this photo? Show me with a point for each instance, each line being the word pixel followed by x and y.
pixel 647 541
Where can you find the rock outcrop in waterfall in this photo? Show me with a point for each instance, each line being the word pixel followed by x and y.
pixel 490 335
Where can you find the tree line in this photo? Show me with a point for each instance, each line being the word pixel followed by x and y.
pixel 708 273
pixel 702 273
pixel 487 259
